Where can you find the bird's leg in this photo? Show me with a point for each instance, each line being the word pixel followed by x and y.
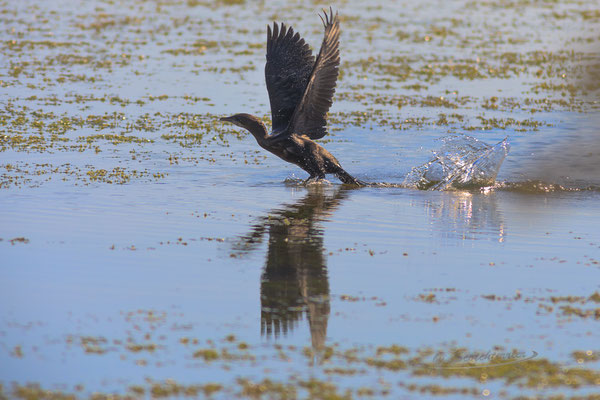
pixel 346 177
pixel 315 177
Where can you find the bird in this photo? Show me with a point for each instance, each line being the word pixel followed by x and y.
pixel 301 89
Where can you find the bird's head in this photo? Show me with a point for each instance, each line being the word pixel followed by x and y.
pixel 242 120
pixel 249 122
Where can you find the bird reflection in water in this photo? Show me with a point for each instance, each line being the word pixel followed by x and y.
pixel 294 280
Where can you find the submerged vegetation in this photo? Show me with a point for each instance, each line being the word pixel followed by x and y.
pixel 68 74
pixel 401 368
pixel 129 93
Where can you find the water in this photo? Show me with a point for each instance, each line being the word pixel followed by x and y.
pixel 462 162
pixel 149 250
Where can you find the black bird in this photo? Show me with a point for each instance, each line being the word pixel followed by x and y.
pixel 300 90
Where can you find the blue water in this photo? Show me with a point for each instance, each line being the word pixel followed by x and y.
pixel 229 242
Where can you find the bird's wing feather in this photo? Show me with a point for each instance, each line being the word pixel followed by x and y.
pixel 289 64
pixel 310 116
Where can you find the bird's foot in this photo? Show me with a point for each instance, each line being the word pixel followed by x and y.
pixel 316 180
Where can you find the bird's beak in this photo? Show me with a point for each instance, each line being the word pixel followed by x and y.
pixel 225 119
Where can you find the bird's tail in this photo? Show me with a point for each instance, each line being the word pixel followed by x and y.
pixel 349 179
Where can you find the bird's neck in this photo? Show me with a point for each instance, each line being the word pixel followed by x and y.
pixel 258 130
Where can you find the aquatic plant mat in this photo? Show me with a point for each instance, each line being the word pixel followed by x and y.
pixel 149 251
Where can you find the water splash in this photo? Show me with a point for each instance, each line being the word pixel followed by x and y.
pixel 462 162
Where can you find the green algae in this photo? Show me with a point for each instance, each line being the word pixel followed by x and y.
pixel 514 369
pixel 206 354
pixel 198 47
pixel 93 345
pixel 35 175
pixel 17 351
pixel 170 388
pixel 35 392
pixel 213 4
pixel 580 312
pixel 267 388
pixel 16 240
pixel 594 297
pixel 117 175
pixel 530 373
pixel 507 368
pixel 439 390
pixel 38 68
pixel 114 139
pixel 139 347
pixel 586 356
pixel 418 70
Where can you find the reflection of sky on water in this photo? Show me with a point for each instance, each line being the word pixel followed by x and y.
pixel 300 249
pixel 97 253
pixel 466 216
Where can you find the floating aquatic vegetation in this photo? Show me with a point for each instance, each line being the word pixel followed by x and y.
pixel 462 162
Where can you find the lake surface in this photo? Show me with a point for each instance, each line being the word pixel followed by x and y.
pixel 147 250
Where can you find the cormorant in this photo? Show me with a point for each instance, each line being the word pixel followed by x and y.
pixel 300 90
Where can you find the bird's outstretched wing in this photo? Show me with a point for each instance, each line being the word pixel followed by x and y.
pixel 289 65
pixel 310 116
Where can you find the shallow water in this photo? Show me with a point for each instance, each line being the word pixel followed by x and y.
pixel 148 250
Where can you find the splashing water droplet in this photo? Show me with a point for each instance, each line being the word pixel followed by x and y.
pixel 462 162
